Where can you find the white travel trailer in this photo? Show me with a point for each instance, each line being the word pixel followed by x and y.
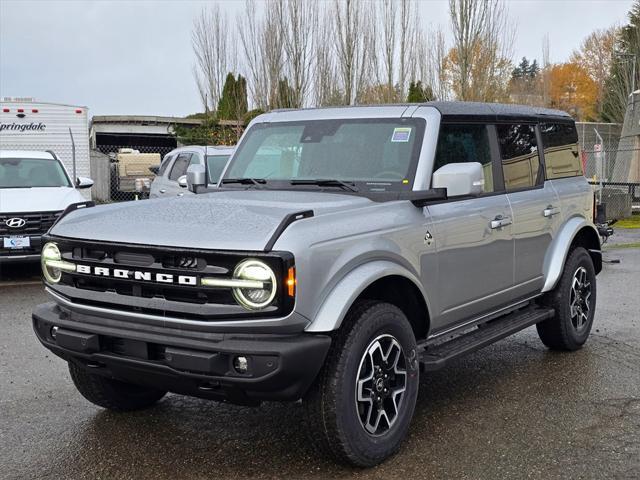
pixel 26 124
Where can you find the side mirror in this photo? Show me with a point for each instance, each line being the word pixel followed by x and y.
pixel 154 169
pixel 182 181
pixel 459 179
pixel 196 177
pixel 84 182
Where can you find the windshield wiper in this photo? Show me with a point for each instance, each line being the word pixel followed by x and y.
pixel 327 183
pixel 245 181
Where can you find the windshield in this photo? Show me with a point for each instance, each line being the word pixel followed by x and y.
pixel 215 166
pixel 374 154
pixel 32 172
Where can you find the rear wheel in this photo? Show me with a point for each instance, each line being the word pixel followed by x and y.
pixel 360 407
pixel 113 394
pixel 574 301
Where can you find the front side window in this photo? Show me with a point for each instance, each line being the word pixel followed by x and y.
pixel 519 152
pixel 165 163
pixel 180 166
pixel 373 154
pixel 215 166
pixel 458 143
pixel 32 172
pixel 561 154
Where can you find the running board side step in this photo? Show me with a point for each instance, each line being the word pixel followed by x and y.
pixel 437 356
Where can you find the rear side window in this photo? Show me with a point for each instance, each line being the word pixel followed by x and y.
pixel 561 155
pixel 519 153
pixel 180 166
pixel 460 143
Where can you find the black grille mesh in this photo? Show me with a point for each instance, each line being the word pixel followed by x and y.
pixel 35 223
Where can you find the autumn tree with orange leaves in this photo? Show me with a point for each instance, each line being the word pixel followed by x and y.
pixel 573 90
pixel 595 55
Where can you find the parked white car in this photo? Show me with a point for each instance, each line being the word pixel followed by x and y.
pixel 35 188
pixel 171 174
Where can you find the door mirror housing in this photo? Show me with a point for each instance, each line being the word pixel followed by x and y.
pixel 459 178
pixel 182 181
pixel 196 177
pixel 84 182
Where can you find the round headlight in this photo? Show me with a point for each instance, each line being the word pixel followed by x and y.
pixel 50 253
pixel 255 298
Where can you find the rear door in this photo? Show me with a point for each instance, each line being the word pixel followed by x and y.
pixel 534 203
pixel 472 235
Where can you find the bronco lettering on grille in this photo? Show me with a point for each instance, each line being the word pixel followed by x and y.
pixel 138 275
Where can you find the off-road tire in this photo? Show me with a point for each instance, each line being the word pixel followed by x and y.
pixel 559 332
pixel 112 394
pixel 330 409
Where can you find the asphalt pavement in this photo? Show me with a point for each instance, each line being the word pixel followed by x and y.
pixel 513 410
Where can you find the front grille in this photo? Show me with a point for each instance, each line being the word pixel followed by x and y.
pixel 158 298
pixel 35 223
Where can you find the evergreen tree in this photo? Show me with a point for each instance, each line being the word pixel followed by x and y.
pixel 525 70
pixel 418 93
pixel 621 82
pixel 233 102
pixel 285 94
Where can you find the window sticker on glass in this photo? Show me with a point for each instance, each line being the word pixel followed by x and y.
pixel 401 134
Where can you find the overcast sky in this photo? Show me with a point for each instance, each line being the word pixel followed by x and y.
pixel 134 57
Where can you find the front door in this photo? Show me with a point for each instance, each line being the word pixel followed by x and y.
pixel 178 169
pixel 472 235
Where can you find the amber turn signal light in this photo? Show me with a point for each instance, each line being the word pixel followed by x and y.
pixel 291 282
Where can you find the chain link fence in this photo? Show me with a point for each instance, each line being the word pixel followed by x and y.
pixel 612 164
pixel 122 172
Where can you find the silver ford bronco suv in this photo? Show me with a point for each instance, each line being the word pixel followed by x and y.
pixel 348 252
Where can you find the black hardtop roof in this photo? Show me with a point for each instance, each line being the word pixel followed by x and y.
pixel 496 111
pixel 466 111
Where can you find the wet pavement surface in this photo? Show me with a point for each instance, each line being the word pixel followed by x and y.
pixel 513 410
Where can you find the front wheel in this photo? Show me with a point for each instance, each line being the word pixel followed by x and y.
pixel 574 301
pixel 361 405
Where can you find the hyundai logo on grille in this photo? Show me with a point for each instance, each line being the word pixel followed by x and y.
pixel 139 275
pixel 15 222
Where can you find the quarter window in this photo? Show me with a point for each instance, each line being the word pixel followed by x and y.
pixel 561 155
pixel 180 166
pixel 519 152
pixel 465 143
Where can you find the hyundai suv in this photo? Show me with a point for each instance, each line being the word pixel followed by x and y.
pixel 34 190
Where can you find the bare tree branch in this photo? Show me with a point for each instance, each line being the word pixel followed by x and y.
pixel 351 39
pixel 212 45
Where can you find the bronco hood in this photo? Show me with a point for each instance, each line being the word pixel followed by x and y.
pixel 224 220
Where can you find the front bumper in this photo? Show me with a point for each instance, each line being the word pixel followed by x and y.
pixel 31 254
pixel 281 366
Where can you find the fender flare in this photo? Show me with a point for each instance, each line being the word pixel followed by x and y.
pixel 331 313
pixel 559 249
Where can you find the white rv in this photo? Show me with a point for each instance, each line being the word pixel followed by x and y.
pixel 29 125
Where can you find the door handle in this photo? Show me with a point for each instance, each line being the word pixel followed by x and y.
pixel 180 194
pixel 550 211
pixel 162 190
pixel 500 222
